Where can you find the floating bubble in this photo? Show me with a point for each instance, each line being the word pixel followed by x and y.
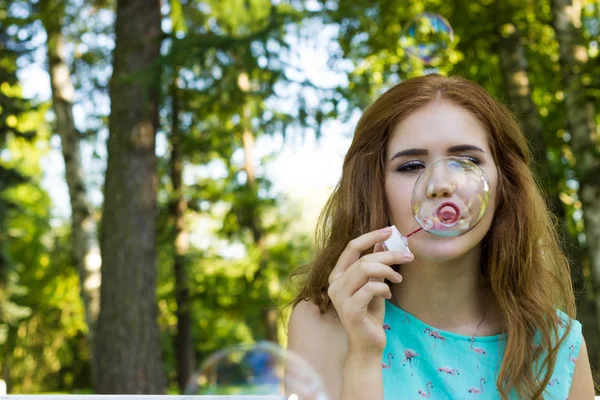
pixel 426 37
pixel 263 369
pixel 450 197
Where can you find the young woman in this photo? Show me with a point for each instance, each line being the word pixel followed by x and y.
pixel 485 315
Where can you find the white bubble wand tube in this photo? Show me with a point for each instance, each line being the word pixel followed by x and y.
pixel 397 242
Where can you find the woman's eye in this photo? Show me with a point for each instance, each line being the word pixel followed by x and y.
pixel 474 160
pixel 410 167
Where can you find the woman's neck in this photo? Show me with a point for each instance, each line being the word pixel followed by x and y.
pixel 450 296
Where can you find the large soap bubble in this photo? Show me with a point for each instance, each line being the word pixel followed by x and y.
pixel 426 37
pixel 450 197
pixel 263 369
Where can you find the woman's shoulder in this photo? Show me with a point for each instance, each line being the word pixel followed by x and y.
pixel 319 339
pixel 569 334
pixel 306 309
pixel 571 329
pixel 569 326
pixel 307 321
pixel 568 351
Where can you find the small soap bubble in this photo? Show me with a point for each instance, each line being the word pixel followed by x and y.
pixel 426 37
pixel 262 369
pixel 450 197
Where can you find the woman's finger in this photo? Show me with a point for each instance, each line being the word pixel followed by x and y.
pixel 388 257
pixel 363 297
pixel 369 271
pixel 355 248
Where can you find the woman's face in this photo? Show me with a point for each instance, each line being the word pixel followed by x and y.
pixel 440 129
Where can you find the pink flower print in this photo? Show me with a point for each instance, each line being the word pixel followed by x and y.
pixel 449 371
pixel 386 327
pixel 409 354
pixel 573 360
pixel 434 334
pixel 477 350
pixel 422 393
pixel 390 356
pixel 475 390
pixel 553 382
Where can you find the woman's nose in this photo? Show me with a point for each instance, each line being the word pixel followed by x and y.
pixel 439 188
pixel 440 183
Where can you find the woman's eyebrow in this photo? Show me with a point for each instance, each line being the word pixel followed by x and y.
pixel 464 147
pixel 424 152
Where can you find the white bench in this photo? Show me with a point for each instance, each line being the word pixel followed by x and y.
pixel 138 397
pixel 130 397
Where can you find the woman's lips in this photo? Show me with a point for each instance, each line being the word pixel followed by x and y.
pixel 448 213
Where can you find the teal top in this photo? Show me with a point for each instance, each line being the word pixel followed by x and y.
pixel 420 361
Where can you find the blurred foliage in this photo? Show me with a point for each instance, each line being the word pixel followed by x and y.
pixel 371 34
pixel 229 64
pixel 226 61
pixel 12 112
pixel 38 289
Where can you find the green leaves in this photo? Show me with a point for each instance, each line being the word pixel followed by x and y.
pixel 229 64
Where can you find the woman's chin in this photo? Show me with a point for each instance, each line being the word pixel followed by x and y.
pixel 441 250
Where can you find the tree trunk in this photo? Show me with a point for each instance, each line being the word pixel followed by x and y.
pixel 128 344
pixel 580 119
pixel 269 315
pixel 514 69
pixel 84 239
pixel 513 65
pixel 184 346
pixel 248 144
pixel 6 370
pixel 8 356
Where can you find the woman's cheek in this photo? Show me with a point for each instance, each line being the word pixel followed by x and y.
pixel 402 215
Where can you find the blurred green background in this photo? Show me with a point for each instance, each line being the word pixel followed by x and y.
pixel 162 164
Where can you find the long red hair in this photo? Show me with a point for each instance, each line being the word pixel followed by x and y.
pixel 522 263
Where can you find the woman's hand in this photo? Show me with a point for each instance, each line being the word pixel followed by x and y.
pixel 358 291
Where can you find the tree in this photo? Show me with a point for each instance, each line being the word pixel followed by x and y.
pixel 128 346
pixel 581 121
pixel 216 81
pixel 12 105
pixel 84 235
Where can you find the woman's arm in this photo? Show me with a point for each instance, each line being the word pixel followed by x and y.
pixel 362 379
pixel 316 339
pixel 322 342
pixel 582 385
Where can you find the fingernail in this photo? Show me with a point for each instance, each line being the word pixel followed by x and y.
pixel 386 230
pixel 408 255
pixel 397 278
